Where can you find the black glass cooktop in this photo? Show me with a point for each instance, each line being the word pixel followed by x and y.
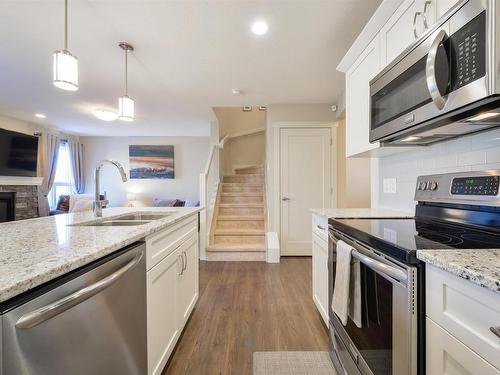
pixel 401 238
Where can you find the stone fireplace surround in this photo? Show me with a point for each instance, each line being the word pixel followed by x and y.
pixel 26 196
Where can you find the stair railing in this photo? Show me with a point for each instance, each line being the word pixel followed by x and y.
pixel 209 184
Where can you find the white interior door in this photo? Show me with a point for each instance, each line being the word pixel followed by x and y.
pixel 305 183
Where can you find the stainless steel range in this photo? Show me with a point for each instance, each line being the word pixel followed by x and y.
pixel 457 210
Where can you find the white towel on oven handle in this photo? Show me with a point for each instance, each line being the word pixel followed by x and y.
pixel 340 300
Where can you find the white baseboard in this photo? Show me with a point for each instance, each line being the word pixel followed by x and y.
pixel 273 247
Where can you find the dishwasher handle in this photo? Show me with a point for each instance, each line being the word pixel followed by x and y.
pixel 44 313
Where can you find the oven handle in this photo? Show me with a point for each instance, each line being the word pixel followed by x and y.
pixel 430 71
pixel 374 264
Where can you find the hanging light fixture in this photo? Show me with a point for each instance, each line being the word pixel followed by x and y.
pixel 65 64
pixel 126 103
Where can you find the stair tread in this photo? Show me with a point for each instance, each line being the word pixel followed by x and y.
pixel 242 194
pixel 240 218
pixel 239 232
pixel 244 175
pixel 237 247
pixel 258 205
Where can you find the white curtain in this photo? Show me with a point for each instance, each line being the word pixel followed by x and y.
pixel 76 160
pixel 48 151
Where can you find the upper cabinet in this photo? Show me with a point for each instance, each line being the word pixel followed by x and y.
pixel 358 99
pixel 396 25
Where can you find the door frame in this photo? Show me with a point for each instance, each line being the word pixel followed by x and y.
pixel 277 126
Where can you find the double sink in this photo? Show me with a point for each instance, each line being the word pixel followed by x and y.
pixel 126 220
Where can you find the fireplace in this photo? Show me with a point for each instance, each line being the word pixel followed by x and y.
pixel 7 206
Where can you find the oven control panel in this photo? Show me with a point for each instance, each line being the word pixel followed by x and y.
pixel 482 185
pixel 478 187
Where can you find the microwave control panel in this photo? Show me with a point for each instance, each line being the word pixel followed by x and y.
pixel 468 52
pixel 482 185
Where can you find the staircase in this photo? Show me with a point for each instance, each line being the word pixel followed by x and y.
pixel 238 227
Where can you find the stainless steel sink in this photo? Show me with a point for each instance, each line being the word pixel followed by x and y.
pixel 142 217
pixel 114 223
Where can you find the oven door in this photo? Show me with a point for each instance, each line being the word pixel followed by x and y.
pixel 381 333
pixel 444 71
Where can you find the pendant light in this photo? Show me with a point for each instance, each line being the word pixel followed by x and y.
pixel 65 64
pixel 126 103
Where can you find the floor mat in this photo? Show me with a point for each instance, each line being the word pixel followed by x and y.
pixel 292 363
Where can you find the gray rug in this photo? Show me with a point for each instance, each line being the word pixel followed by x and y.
pixel 292 363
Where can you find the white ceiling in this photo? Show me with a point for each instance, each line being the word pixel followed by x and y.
pixel 188 56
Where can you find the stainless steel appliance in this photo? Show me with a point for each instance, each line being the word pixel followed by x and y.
pixel 445 84
pixel 91 321
pixel 457 210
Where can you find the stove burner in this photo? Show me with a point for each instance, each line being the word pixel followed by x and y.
pixel 482 238
pixel 442 238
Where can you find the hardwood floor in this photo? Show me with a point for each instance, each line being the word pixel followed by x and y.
pixel 246 307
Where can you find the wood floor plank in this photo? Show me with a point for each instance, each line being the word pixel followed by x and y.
pixel 246 307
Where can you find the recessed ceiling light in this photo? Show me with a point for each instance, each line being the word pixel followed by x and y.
pixel 260 28
pixel 105 115
pixel 40 115
pixel 236 91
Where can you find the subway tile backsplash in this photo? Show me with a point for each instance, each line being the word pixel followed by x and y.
pixel 469 153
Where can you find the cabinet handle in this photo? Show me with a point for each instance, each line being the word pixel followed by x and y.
pixel 181 263
pixel 496 331
pixel 415 24
pixel 424 13
pixel 284 199
pixel 185 263
pixel 320 227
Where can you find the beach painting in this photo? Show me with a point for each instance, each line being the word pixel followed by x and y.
pixel 151 162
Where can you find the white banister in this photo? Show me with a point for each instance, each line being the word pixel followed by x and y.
pixel 209 183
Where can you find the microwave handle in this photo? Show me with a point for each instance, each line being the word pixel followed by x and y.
pixel 430 71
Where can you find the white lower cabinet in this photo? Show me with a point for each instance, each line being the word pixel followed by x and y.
pixel 460 315
pixel 446 355
pixel 320 266
pixel 172 292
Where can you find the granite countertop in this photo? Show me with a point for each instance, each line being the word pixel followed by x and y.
pixel 359 213
pixel 480 266
pixel 35 251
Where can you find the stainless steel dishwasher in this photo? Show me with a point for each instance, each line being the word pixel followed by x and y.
pixel 91 321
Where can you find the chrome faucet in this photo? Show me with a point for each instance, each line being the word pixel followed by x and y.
pixel 98 203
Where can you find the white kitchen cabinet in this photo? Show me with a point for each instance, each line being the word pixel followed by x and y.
pixel 187 287
pixel 320 265
pixel 443 6
pixel 358 99
pixel 406 24
pixel 447 355
pixel 171 288
pixel 163 322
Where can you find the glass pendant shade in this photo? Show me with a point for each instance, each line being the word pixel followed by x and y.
pixel 65 70
pixel 126 108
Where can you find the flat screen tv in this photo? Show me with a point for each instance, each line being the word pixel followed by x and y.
pixel 18 154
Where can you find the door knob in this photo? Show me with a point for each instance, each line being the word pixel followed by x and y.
pixel 284 199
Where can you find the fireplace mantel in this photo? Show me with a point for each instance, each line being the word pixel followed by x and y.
pixel 20 181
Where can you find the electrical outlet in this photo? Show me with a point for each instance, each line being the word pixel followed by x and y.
pixel 389 186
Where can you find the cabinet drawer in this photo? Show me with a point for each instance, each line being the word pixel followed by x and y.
pixel 320 226
pixel 161 244
pixel 446 355
pixel 466 310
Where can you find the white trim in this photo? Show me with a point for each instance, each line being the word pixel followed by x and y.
pixel 20 181
pixel 383 13
pixel 277 126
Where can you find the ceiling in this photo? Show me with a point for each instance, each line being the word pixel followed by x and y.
pixel 188 56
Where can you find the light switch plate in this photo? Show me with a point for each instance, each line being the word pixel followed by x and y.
pixel 390 186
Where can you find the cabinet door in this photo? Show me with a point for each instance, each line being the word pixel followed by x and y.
pixel 163 324
pixel 406 24
pixel 358 99
pixel 187 286
pixel 447 355
pixel 320 275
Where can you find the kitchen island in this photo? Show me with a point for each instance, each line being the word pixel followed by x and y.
pixel 120 288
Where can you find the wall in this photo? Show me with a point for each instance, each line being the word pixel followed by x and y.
pixel 353 175
pixel 245 150
pixel 277 113
pixel 470 153
pixel 191 154
pixel 20 126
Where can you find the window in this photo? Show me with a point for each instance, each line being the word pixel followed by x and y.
pixel 63 180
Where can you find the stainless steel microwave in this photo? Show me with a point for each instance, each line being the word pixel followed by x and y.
pixel 445 84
